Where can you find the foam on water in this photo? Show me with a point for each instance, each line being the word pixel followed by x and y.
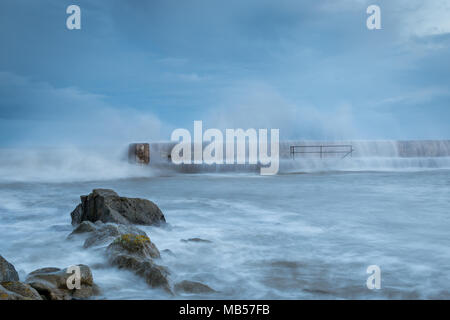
pixel 286 236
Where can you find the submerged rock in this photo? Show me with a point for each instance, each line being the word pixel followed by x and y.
pixel 51 283
pixel 84 227
pixel 107 206
pixel 187 286
pixel 136 253
pixel 168 252
pixel 7 271
pixel 198 240
pixel 103 233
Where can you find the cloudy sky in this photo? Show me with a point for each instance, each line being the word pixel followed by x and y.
pixel 138 69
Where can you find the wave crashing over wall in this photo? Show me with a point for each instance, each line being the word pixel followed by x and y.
pixel 365 155
pixel 110 163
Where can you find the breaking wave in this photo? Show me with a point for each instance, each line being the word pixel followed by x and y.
pixel 88 164
pixel 67 165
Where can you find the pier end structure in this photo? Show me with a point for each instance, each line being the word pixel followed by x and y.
pixel 139 153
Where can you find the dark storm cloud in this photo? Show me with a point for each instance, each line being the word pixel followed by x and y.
pixel 184 60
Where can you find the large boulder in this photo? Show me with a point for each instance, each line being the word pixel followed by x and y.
pixel 51 283
pixel 7 271
pixel 137 253
pixel 107 206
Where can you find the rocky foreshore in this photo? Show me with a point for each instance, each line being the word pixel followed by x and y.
pixel 106 220
pixel 45 284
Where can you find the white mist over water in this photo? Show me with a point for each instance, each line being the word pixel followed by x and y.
pixel 74 164
pixel 67 165
pixel 291 236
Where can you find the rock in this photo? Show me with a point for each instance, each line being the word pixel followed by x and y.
pixel 154 274
pixel 77 213
pixel 192 287
pixel 25 291
pixel 136 253
pixel 106 205
pixel 108 232
pixel 8 295
pixel 138 245
pixel 84 227
pixel 168 252
pixel 52 283
pixel 103 233
pixel 198 240
pixel 7 271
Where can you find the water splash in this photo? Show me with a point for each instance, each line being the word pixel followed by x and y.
pixel 67 165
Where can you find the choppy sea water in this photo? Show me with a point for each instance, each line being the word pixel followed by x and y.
pixel 290 236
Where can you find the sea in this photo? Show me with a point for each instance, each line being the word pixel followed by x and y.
pixel 312 231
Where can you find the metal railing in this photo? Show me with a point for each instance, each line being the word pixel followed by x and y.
pixel 322 150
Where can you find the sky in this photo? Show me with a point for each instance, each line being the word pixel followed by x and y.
pixel 139 69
